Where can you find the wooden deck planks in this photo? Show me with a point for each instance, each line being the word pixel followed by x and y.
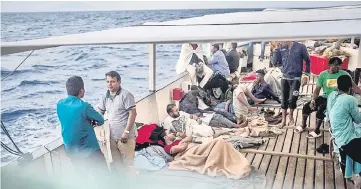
pixel 290 172
pixel 292 162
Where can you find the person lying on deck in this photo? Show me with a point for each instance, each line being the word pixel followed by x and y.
pixel 241 106
pixel 197 102
pixel 261 89
pixel 327 81
pixel 192 125
pixel 173 146
pixel 342 114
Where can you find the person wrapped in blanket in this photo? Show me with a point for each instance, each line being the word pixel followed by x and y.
pixel 327 81
pixel 261 89
pixel 342 115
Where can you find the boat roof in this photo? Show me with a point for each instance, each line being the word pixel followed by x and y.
pixel 337 22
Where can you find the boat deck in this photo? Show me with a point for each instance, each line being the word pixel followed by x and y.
pixel 288 169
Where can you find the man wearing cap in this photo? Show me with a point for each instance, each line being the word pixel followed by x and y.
pixel 327 81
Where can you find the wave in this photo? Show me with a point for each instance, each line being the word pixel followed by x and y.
pixel 32 95
pixel 82 56
pixel 138 78
pixel 37 82
pixel 17 72
pixel 11 115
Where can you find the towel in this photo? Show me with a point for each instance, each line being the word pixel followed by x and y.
pixel 186 56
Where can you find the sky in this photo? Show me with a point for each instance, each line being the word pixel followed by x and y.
pixel 52 6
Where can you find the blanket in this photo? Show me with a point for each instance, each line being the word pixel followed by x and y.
pixel 103 135
pixel 186 56
pixel 145 161
pixel 215 158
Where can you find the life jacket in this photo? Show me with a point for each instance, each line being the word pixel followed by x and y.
pixel 148 135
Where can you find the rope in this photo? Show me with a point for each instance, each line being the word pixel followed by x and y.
pixel 18 66
pixel 11 151
pixel 18 152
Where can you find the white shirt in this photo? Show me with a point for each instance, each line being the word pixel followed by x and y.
pixel 239 108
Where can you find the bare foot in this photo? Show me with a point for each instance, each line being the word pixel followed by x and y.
pixel 242 125
pixel 259 101
pixel 220 133
pixel 292 122
pixel 283 123
pixel 252 109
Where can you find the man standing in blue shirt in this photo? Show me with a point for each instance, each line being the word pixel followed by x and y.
pixel 292 56
pixel 76 117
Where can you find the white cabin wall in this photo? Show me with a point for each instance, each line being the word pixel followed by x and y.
pixel 152 109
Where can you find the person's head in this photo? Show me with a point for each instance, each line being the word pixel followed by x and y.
pixel 260 75
pixel 173 111
pixel 215 48
pixel 194 46
pixel 286 43
pixel 334 64
pixel 113 81
pixel 169 138
pixel 75 86
pixel 234 45
pixel 344 83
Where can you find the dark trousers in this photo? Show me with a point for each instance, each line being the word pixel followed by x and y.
pixel 320 109
pixel 217 81
pixel 352 149
pixel 290 92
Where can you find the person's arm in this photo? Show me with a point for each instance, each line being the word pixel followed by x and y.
pixel 129 104
pixel 178 148
pixel 101 106
pixel 214 59
pixel 186 139
pixel 356 88
pixel 269 90
pixel 316 93
pixel 277 58
pixel 208 74
pixel 243 100
pixel 355 114
pixel 91 114
pixel 306 57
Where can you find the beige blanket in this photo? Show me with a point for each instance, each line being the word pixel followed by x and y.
pixel 214 158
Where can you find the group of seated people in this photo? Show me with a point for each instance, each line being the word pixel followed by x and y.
pixel 333 82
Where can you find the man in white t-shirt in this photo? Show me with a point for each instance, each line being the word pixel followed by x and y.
pixel 241 106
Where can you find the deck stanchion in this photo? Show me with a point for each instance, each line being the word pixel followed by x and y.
pixel 152 67
pixel 359 55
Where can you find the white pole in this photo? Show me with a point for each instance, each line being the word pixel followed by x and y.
pixel 352 40
pixel 152 67
pixel 359 56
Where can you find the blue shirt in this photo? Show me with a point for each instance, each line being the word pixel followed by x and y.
pixel 219 63
pixel 292 60
pixel 343 113
pixel 78 134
